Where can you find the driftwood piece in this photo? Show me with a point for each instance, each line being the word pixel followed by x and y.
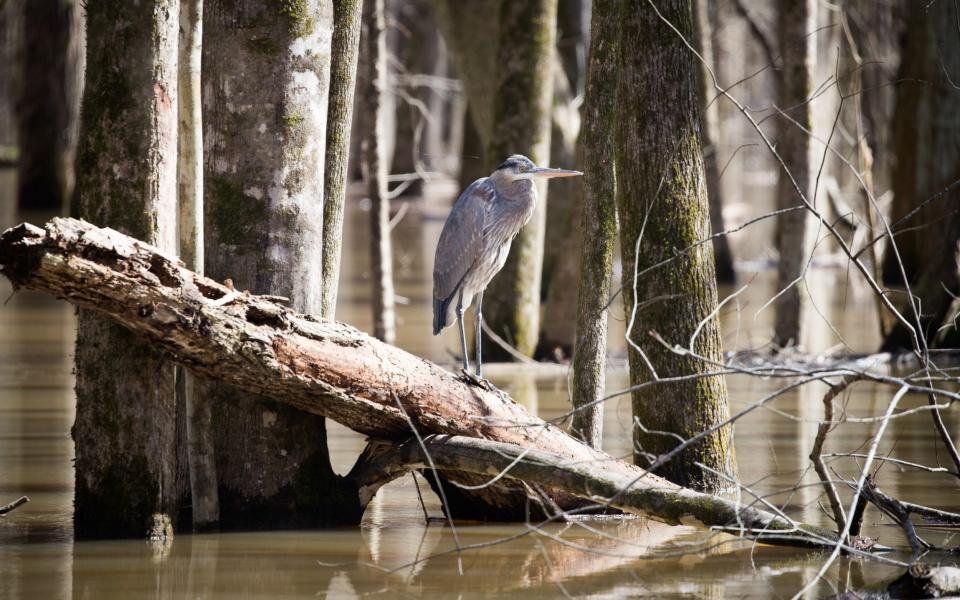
pixel 331 369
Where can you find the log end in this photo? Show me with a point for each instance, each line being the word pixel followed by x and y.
pixel 20 252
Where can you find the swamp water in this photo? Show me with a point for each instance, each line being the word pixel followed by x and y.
pixel 395 553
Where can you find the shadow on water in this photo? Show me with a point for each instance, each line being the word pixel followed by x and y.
pixel 38 558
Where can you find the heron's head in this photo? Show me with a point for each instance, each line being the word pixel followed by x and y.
pixel 519 166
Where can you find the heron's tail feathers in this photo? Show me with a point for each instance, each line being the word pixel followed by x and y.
pixel 440 314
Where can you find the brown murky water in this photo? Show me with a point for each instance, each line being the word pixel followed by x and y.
pixel 394 553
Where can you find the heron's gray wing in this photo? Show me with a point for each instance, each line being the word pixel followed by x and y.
pixel 461 241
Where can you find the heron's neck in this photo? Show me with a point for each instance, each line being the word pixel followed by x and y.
pixel 517 189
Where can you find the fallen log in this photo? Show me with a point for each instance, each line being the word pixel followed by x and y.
pixel 472 431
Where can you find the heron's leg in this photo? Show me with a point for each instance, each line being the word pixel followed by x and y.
pixel 463 333
pixel 478 332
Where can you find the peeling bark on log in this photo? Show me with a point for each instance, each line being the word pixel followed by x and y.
pixel 333 370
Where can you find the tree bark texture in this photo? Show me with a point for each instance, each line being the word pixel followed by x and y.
pixel 126 431
pixel 267 80
pixel 345 50
pixel 327 368
pixel 521 125
pixel 201 458
pixel 934 171
pixel 704 20
pixel 661 194
pixel 48 108
pixel 598 222
pixel 796 21
pixel 374 84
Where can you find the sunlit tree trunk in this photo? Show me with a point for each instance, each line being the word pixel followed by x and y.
pixel 704 19
pixel 267 80
pixel 48 109
pixel 374 83
pixel 521 125
pixel 125 432
pixel 345 49
pixel 661 192
pixel 932 171
pixel 598 222
pixel 796 22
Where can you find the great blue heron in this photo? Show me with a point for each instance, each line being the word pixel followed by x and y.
pixel 476 240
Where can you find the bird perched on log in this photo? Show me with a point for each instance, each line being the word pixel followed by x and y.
pixel 476 239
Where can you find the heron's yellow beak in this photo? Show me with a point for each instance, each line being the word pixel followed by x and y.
pixel 549 172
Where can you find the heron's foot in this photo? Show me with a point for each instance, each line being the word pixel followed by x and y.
pixel 477 380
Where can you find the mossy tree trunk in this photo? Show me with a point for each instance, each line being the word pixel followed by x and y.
pixel 345 49
pixel 374 83
pixel 267 79
pixel 704 20
pixel 661 193
pixel 521 125
pixel 598 222
pixel 796 21
pixel 933 170
pixel 48 108
pixel 126 428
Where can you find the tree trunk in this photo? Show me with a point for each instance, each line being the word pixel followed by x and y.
pixel 796 23
pixel 204 501
pixel 11 30
pixel 471 30
pixel 472 161
pixel 413 43
pixel 936 169
pixel 521 125
pixel 267 72
pixel 562 235
pixel 704 19
pixel 919 65
pixel 345 50
pixel 374 83
pixel 598 222
pixel 48 108
pixel 327 368
pixel 126 431
pixel 662 194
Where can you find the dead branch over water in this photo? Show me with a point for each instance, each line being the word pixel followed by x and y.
pixel 331 369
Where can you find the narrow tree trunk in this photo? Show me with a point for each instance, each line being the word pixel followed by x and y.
pixel 561 241
pixel 125 431
pixel 796 22
pixel 937 168
pixel 204 501
pixel 345 50
pixel 662 194
pixel 472 153
pixel 598 222
pixel 375 171
pixel 521 125
pixel 11 29
pixel 413 45
pixel 267 72
pixel 49 102
pixel 704 19
pixel 327 368
pixel 919 64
